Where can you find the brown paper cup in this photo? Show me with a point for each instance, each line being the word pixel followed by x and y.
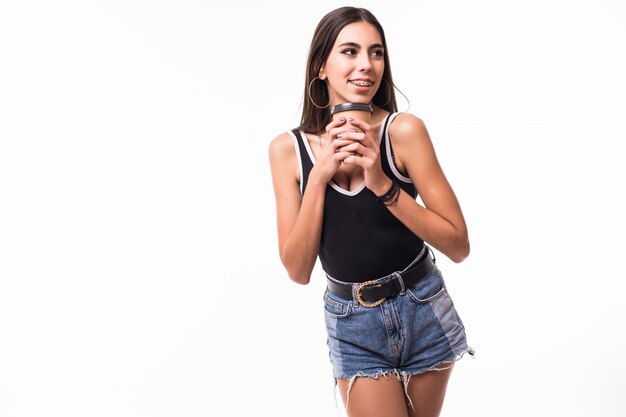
pixel 361 111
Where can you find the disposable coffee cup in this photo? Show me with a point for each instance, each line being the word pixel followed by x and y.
pixel 361 111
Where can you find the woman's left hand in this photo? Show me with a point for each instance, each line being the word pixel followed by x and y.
pixel 366 154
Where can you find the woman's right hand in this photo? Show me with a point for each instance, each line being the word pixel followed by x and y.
pixel 330 159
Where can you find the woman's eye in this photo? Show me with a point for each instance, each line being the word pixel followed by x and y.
pixel 349 51
pixel 378 53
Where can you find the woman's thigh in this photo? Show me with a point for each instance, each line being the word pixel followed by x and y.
pixel 373 397
pixel 427 391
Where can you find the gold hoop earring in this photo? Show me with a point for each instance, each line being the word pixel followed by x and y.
pixel 311 97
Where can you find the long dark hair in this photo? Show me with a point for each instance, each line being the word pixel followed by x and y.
pixel 314 119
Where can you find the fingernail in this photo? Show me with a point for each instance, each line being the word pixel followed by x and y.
pixel 351 118
pixel 352 130
pixel 342 119
pixel 339 136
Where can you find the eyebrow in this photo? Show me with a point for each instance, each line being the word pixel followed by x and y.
pixel 354 44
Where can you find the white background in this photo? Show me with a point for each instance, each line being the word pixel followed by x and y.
pixel 139 272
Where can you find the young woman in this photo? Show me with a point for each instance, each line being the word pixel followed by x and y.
pixel 346 191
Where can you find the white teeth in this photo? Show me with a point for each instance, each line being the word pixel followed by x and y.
pixel 362 83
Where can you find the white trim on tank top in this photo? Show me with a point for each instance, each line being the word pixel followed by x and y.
pixel 390 160
pixel 299 157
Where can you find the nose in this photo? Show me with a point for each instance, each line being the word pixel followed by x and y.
pixel 364 63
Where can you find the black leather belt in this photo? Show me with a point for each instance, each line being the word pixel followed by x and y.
pixel 373 293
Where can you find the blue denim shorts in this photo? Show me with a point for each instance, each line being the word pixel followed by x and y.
pixel 416 331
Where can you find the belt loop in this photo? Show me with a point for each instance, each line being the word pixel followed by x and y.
pixel 401 281
pixel 432 253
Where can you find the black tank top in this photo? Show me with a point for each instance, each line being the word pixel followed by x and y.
pixel 361 239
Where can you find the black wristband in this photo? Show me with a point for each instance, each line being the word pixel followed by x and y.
pixel 394 199
pixel 392 193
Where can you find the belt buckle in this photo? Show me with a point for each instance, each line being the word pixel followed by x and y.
pixel 364 303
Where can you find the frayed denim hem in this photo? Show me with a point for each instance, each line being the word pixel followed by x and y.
pixel 402 376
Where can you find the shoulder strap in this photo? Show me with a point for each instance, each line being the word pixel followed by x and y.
pixel 304 160
pixel 386 152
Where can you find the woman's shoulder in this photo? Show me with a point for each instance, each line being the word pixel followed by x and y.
pixel 281 146
pixel 406 123
pixel 406 127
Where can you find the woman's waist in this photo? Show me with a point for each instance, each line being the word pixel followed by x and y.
pixel 352 262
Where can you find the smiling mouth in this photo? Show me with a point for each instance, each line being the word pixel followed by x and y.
pixel 360 83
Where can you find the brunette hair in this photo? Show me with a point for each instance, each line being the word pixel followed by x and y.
pixel 314 119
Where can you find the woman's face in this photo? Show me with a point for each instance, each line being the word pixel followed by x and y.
pixel 354 68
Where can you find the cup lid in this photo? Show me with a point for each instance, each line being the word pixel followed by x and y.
pixel 351 106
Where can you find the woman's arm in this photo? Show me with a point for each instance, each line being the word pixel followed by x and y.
pixel 440 221
pixel 298 217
